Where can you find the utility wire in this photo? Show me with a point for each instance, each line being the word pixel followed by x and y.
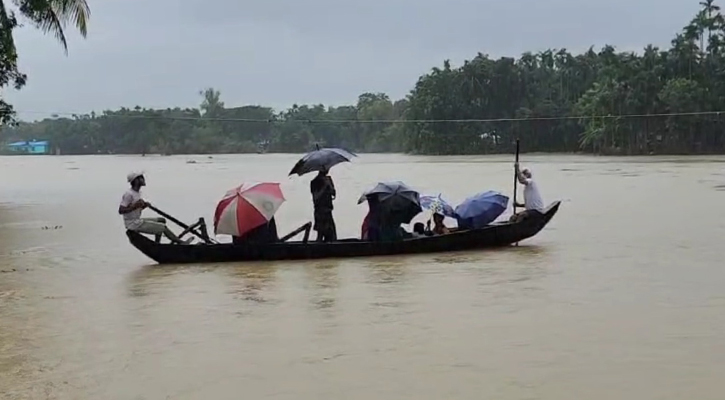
pixel 388 121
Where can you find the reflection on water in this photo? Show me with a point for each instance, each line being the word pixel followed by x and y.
pixel 322 281
pixel 620 297
pixel 148 278
pixel 251 282
pixel 387 270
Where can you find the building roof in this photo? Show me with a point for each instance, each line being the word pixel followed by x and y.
pixel 30 143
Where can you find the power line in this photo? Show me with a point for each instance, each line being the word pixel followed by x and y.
pixel 388 121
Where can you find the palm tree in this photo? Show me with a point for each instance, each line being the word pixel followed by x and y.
pixel 50 16
pixel 212 104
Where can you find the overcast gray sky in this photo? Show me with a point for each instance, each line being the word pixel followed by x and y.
pixel 159 53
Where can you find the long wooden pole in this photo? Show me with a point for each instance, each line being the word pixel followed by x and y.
pixel 181 224
pixel 516 178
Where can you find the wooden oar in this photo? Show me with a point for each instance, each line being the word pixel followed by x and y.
pixel 190 229
pixel 516 178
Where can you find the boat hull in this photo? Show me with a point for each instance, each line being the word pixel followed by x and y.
pixel 496 235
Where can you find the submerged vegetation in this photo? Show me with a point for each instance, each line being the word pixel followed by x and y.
pixel 658 101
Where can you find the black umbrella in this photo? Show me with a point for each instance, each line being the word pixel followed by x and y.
pixel 396 200
pixel 319 159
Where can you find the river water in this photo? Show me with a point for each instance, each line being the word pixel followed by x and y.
pixel 620 297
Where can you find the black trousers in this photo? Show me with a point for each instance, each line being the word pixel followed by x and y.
pixel 325 226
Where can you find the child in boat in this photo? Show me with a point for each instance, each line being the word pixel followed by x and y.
pixel 439 227
pixel 419 230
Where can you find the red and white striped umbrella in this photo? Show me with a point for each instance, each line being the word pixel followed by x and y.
pixel 247 207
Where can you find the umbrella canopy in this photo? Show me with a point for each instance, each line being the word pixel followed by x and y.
pixel 319 159
pixel 436 204
pixel 246 207
pixel 395 200
pixel 481 209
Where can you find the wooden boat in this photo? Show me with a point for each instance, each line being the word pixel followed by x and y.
pixel 495 235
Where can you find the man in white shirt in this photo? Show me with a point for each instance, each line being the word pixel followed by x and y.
pixel 532 196
pixel 131 206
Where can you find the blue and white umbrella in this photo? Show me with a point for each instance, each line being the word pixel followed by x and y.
pixel 438 205
pixel 481 209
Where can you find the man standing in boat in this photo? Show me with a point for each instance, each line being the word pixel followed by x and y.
pixel 532 196
pixel 323 193
pixel 131 206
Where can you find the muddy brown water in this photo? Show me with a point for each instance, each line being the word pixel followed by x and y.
pixel 621 297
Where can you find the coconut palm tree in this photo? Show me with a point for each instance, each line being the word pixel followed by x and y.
pixel 50 16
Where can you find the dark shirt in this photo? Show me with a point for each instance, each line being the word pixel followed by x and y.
pixel 388 230
pixel 266 233
pixel 391 233
pixel 323 185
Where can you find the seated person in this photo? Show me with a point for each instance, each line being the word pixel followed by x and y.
pixel 465 224
pixel 439 228
pixel 365 227
pixel 419 230
pixel 131 207
pixel 388 230
pixel 266 233
pixel 391 233
pixel 370 228
pixel 371 224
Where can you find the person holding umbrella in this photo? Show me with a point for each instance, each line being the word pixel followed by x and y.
pixel 440 209
pixel 391 204
pixel 246 213
pixel 323 194
pixel 439 227
pixel 322 187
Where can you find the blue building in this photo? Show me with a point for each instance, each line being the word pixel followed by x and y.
pixel 32 147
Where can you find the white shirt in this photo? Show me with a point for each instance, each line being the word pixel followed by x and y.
pixel 132 220
pixel 532 197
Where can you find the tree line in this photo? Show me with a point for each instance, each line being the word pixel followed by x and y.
pixel 658 101
pixel 215 128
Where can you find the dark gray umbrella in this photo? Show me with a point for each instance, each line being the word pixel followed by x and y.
pixel 319 159
pixel 394 199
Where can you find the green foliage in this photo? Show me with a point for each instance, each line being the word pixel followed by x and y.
pixel 50 16
pixel 606 102
pixel 212 128
pixel 659 101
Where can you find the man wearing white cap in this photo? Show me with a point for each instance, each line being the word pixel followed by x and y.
pixel 131 206
pixel 532 196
